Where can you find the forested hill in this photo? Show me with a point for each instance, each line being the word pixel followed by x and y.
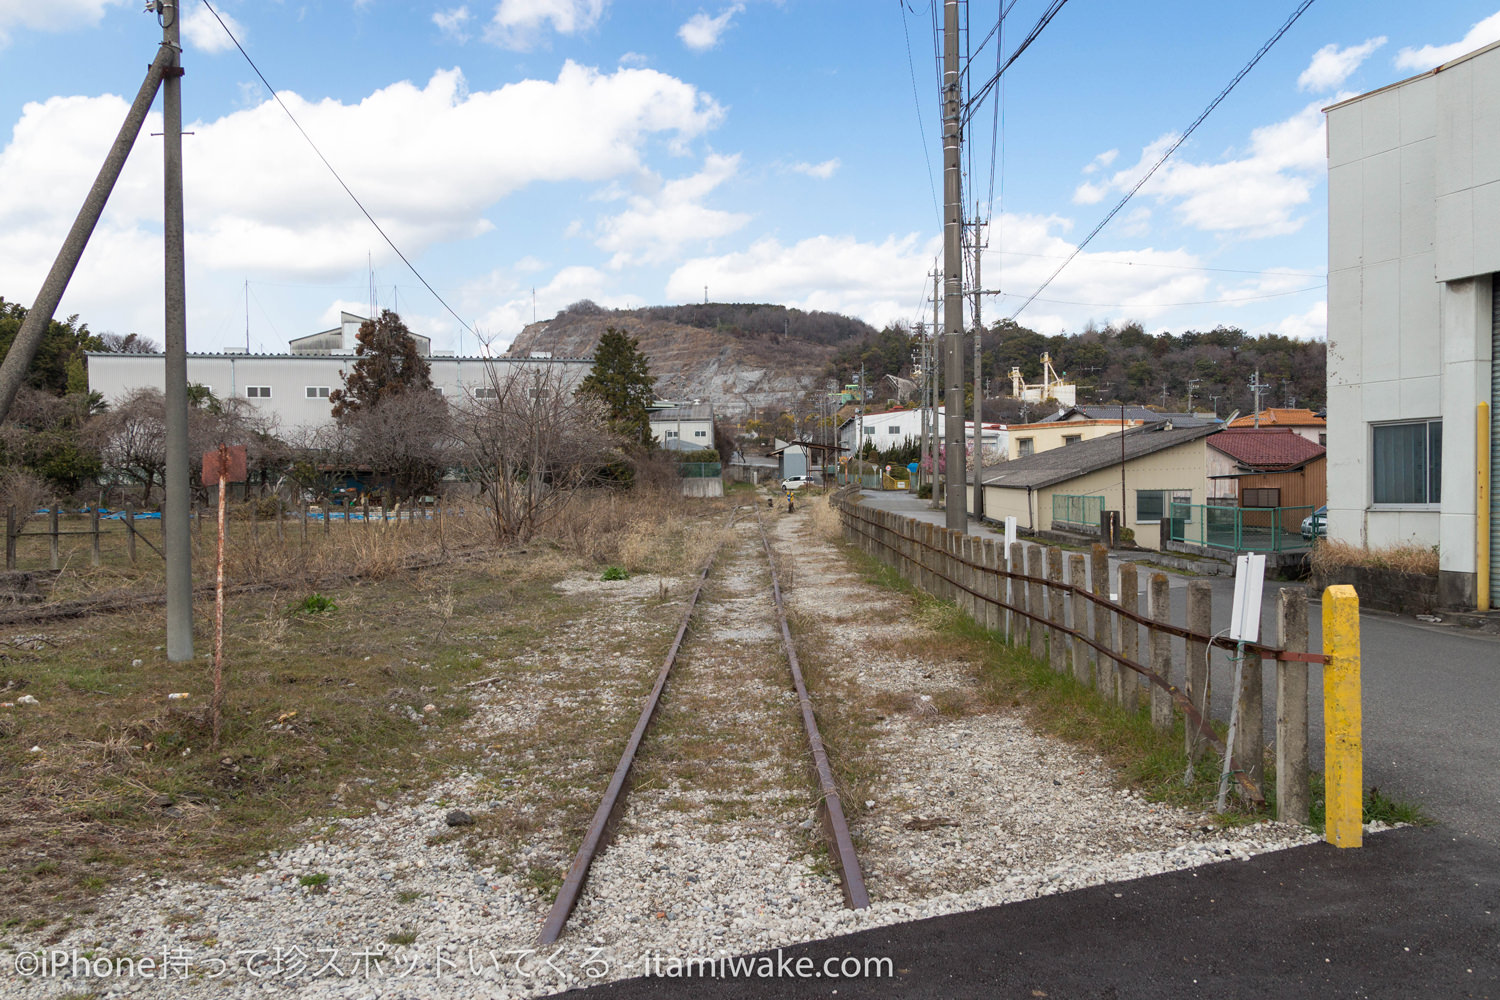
pixel 1126 364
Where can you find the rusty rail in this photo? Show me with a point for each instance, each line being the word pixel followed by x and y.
pixel 608 811
pixel 831 808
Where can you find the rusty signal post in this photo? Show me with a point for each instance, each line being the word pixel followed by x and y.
pixel 223 465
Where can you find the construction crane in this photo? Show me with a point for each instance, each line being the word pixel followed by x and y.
pixel 1051 386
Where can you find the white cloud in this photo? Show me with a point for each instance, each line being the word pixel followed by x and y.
pixel 1331 65
pixel 204 34
pixel 1311 325
pixel 656 225
pixel 520 24
pixel 453 24
pixel 56 15
pixel 428 161
pixel 701 32
pixel 1101 161
pixel 1255 195
pixel 822 171
pixel 1428 56
pixel 520 301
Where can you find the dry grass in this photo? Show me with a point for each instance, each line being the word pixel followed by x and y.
pixel 1328 556
pixel 825 518
pixel 321 709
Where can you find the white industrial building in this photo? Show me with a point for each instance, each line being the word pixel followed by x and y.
pixel 685 427
pixel 1414 315
pixel 893 428
pixel 294 387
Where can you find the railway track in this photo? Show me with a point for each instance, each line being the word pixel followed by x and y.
pixel 611 807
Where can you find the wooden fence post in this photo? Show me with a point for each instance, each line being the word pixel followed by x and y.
pixel 1159 607
pixel 10 537
pixel 1057 645
pixel 1020 625
pixel 130 532
pixel 1034 569
pixel 965 557
pixel 54 539
pixel 1200 621
pixel 280 527
pixel 94 528
pixel 1078 576
pixel 993 589
pixel 1130 637
pixel 1106 671
pixel 1292 793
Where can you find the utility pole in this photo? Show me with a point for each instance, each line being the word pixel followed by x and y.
pixel 978 387
pixel 922 366
pixel 177 539
pixel 953 270
pixel 859 423
pixel 29 337
pixel 939 484
pixel 1256 388
pixel 1215 400
pixel 1191 382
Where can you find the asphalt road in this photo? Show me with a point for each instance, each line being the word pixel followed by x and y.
pixel 1413 913
pixel 1431 698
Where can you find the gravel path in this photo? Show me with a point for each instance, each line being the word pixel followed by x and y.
pixel 966 809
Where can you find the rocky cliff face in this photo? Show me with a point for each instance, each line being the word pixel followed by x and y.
pixel 738 374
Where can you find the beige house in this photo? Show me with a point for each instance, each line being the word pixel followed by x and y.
pixel 1144 472
pixel 1029 439
pixel 1303 423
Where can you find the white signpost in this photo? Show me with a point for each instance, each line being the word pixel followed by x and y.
pixel 1244 626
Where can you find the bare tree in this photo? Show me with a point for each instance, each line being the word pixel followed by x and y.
pixel 406 440
pixel 530 445
pixel 134 439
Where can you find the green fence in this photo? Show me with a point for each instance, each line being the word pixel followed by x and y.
pixel 1239 529
pixel 1074 511
pixel 700 470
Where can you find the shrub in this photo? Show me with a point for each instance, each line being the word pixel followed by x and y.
pixel 615 573
pixel 1409 557
pixel 315 604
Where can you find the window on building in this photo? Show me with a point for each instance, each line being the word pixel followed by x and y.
pixel 893 429
pixel 486 392
pixel 1261 497
pixel 869 432
pixel 1025 446
pixel 438 390
pixel 317 392
pixel 1150 505
pixel 672 434
pixel 1071 439
pixel 1323 438
pixel 258 392
pixel 1407 465
pixel 700 434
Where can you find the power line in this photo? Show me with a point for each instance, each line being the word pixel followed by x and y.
pixel 1165 305
pixel 319 152
pixel 1172 149
pixel 1172 267
pixel 916 97
pixel 1031 36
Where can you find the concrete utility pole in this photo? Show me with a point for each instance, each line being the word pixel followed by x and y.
pixel 923 364
pixel 953 271
pixel 978 388
pixel 23 349
pixel 936 354
pixel 177 539
pixel 1256 388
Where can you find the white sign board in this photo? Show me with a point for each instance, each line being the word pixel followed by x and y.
pixel 1010 535
pixel 1249 576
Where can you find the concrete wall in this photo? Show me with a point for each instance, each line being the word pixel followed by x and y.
pixel 1413 239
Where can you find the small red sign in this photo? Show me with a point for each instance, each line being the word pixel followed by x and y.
pixel 227 463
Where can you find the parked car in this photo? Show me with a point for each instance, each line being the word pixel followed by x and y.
pixel 1315 525
pixel 797 482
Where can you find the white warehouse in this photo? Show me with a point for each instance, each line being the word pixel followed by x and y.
pixel 1414 316
pixel 294 387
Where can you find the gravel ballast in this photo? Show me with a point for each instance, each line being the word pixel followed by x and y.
pixel 966 811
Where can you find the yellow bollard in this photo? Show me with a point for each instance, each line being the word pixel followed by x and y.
pixel 1343 751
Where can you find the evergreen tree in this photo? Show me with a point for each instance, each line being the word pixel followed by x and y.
pixel 388 364
pixel 622 381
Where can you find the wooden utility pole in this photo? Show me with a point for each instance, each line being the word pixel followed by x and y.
pixel 955 504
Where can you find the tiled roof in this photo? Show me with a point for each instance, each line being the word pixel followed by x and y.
pixel 1266 448
pixel 1276 416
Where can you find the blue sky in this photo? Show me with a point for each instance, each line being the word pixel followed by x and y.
pixel 635 152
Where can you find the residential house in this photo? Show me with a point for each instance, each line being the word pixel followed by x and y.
pixel 1142 471
pixel 1300 421
pixel 1272 467
pixel 1028 439
pixel 1414 317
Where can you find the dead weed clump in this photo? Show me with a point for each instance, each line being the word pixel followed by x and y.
pixel 1329 556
